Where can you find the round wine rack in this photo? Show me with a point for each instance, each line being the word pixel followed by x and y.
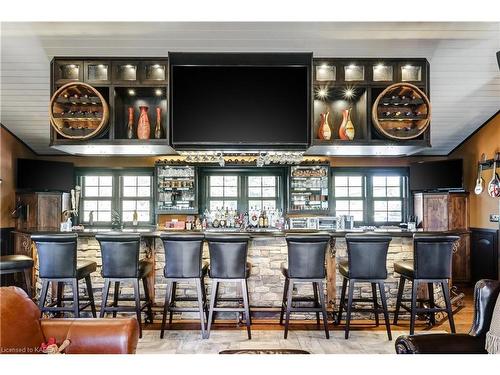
pixel 78 111
pixel 402 111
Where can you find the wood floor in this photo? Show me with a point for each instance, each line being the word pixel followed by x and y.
pixel 462 317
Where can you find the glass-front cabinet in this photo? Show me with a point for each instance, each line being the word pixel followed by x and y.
pixel 309 189
pixel 176 189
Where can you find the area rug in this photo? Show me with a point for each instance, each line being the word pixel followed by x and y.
pixel 314 342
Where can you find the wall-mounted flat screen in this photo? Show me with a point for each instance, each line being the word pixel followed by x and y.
pixel 437 175
pixel 240 100
pixel 41 175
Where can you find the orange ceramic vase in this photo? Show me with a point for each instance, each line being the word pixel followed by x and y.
pixel 143 126
pixel 324 131
pixel 346 130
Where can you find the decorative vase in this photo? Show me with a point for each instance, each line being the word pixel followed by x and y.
pixel 158 123
pixel 324 131
pixel 130 125
pixel 346 130
pixel 143 126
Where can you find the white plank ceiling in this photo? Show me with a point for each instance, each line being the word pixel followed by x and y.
pixel 465 78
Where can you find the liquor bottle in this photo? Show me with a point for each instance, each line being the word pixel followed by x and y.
pixel 135 218
pixel 261 220
pixel 158 123
pixel 130 125
pixel 266 219
pixel 386 114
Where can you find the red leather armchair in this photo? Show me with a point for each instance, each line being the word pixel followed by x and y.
pixel 486 293
pixel 22 331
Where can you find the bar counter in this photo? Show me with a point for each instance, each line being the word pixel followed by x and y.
pixel 267 251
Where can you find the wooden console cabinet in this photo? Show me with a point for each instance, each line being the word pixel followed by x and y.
pixel 442 212
pixel 39 211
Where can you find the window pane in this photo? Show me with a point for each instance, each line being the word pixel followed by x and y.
pixel 394 205
pixel 255 205
pixel 90 205
pixel 380 205
pixel 91 180
pixel 356 205
pixel 129 191
pixel 105 191
pixel 231 205
pixel 216 191
pixel 91 191
pixel 216 180
pixel 104 216
pixel 143 205
pixel 128 205
pixel 342 205
pixel 380 216
pixel 106 180
pixel 379 181
pixel 393 180
pixel 143 191
pixel 254 181
pixel 144 180
pixel 269 205
pixel 129 180
pixel 341 192
pixel 394 216
pixel 128 215
pixel 230 191
pixel 269 192
pixel 104 205
pixel 215 205
pixel 355 192
pixel 340 180
pixel 231 180
pixel 355 180
pixel 393 192
pixel 269 181
pixel 254 192
pixel 143 215
pixel 358 215
pixel 379 191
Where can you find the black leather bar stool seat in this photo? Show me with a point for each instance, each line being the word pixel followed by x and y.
pixel 306 264
pixel 18 264
pixel 183 262
pixel 228 263
pixel 120 263
pixel 57 258
pixel 432 256
pixel 366 263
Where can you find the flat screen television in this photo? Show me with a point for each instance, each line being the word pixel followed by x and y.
pixel 240 101
pixel 41 175
pixel 437 175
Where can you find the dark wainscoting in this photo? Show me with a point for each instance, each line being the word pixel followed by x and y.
pixel 6 241
pixel 485 253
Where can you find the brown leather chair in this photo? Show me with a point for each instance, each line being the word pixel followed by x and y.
pixel 22 331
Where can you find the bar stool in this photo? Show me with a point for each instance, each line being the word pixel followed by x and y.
pixel 120 263
pixel 18 264
pixel 432 256
pixel 306 264
pixel 228 263
pixel 58 263
pixel 183 262
pixel 367 263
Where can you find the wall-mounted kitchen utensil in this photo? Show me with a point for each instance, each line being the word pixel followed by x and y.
pixel 494 185
pixel 480 181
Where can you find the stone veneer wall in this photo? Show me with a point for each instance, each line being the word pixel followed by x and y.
pixel 265 282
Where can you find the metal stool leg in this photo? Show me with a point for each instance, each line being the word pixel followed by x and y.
pixel 90 292
pixel 349 308
pixel 201 306
pixel 446 291
pixel 76 298
pixel 283 300
pixel 342 300
pixel 165 308
pixel 172 301
pixel 288 306
pixel 148 299
pixel 27 281
pixel 104 298
pixel 316 301
pixel 138 304
pixel 381 286
pixel 413 314
pixel 213 297
pixel 116 293
pixel 205 303
pixel 399 298
pixel 432 304
pixel 375 302
pixel 246 303
pixel 321 293
pixel 43 294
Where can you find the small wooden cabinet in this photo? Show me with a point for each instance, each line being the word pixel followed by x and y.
pixel 39 211
pixel 485 257
pixel 443 212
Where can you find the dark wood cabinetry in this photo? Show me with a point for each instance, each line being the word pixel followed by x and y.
pixel 442 212
pixel 39 210
pixel 485 260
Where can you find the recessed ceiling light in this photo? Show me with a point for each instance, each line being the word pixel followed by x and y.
pixel 131 92
pixel 158 92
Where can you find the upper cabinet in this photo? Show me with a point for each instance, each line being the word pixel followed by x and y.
pixel 65 71
pixel 355 114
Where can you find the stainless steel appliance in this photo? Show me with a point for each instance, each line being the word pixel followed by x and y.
pixel 303 222
pixel 328 223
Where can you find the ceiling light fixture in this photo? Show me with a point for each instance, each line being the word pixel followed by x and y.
pixel 322 93
pixel 158 92
pixel 349 92
pixel 131 92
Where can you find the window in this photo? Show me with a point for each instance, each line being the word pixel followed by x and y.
pixel 223 192
pixel 373 196
pixel 262 193
pixel 243 189
pixel 109 193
